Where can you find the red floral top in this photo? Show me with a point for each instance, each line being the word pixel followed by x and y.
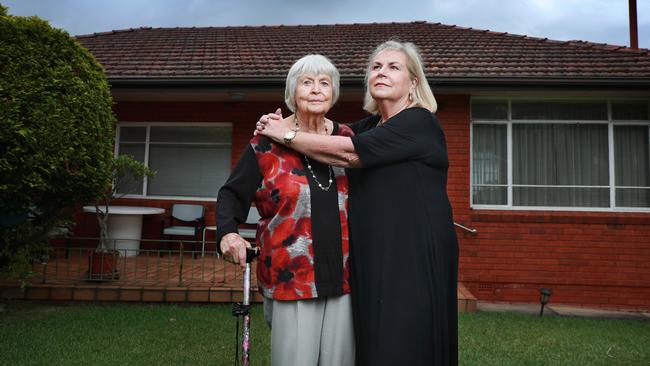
pixel 282 195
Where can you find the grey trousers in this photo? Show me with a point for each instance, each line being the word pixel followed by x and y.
pixel 316 332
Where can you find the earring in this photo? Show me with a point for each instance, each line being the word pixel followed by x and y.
pixel 410 97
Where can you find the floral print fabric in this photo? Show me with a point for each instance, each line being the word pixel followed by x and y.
pixel 285 268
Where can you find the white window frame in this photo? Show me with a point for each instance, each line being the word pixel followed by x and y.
pixel 509 123
pixel 148 125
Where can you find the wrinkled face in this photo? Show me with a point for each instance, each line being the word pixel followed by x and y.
pixel 314 94
pixel 389 78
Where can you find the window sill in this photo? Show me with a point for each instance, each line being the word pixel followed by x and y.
pixel 560 217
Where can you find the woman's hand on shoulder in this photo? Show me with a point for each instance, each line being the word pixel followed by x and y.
pixel 271 126
pixel 233 247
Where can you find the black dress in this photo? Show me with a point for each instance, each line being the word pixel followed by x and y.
pixel 404 249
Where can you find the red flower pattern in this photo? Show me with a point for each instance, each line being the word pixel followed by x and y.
pixel 285 268
pixel 292 276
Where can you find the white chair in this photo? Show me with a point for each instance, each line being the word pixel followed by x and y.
pixel 185 220
pixel 252 219
pixel 207 228
pixel 248 234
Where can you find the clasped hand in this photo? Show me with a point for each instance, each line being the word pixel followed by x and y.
pixel 270 125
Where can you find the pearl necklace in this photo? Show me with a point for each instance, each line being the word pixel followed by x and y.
pixel 330 170
pixel 297 128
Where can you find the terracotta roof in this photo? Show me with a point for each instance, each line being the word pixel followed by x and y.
pixel 268 52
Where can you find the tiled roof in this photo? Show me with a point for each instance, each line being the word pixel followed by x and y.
pixel 269 51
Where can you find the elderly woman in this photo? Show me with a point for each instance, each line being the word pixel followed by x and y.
pixel 303 233
pixel 404 249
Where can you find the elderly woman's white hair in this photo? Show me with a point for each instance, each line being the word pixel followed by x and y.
pixel 423 95
pixel 310 64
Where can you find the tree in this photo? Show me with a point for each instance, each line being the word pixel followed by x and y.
pixel 124 170
pixel 56 134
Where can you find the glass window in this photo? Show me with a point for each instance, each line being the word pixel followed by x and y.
pixel 489 164
pixel 133 134
pixel 548 160
pixel 630 111
pixel 132 141
pixel 189 161
pixel 561 154
pixel 490 109
pixel 632 161
pixel 559 110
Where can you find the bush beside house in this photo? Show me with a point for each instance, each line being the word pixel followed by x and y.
pixel 56 138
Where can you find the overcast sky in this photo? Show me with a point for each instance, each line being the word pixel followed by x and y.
pixel 602 21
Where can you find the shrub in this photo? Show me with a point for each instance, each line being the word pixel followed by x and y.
pixel 56 135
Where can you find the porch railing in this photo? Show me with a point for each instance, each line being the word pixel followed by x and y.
pixel 181 263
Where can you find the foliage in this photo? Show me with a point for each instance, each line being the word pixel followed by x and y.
pixel 124 170
pixel 56 134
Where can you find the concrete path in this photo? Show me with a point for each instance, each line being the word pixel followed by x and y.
pixel 561 310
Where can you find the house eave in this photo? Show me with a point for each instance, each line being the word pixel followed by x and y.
pixel 272 88
pixel 438 82
pixel 542 83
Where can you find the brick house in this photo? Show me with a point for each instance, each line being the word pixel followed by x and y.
pixel 548 140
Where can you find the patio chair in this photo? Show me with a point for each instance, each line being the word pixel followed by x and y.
pixel 61 232
pixel 186 221
pixel 252 219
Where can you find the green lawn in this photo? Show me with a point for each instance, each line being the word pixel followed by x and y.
pixel 137 334
pixel 516 339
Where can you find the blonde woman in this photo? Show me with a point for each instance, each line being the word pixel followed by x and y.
pixel 404 249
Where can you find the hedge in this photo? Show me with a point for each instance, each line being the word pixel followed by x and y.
pixel 56 137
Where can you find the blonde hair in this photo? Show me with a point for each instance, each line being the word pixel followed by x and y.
pixel 423 95
pixel 310 64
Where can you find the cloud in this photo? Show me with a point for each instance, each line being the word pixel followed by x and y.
pixel 591 20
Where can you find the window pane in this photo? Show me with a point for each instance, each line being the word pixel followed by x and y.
pixel 630 111
pixel 489 154
pixel 131 185
pixel 489 109
pixel 629 197
pixel 560 197
pixel 489 163
pixel 133 134
pixel 489 195
pixel 632 165
pixel 560 154
pixel 549 110
pixel 188 170
pixel 206 134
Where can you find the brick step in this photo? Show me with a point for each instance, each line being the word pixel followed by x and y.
pixel 107 292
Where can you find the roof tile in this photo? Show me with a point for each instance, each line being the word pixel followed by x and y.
pixel 268 51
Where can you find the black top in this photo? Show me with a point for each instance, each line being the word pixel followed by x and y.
pixel 237 194
pixel 403 247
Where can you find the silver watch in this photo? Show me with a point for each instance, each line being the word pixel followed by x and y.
pixel 289 136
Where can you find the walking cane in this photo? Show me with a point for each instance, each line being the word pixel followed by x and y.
pixel 243 309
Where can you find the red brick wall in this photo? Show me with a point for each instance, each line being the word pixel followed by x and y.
pixel 590 259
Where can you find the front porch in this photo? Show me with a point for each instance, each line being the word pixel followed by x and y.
pixel 182 276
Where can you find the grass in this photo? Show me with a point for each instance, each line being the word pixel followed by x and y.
pixel 125 334
pixel 140 334
pixel 517 339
